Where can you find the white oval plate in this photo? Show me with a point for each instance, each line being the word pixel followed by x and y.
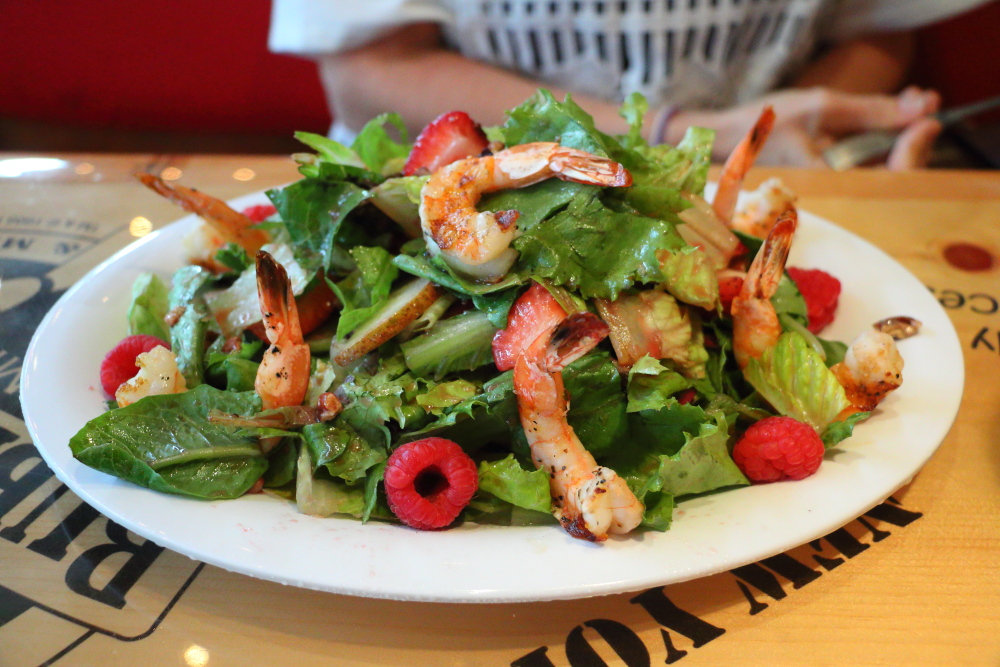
pixel 267 538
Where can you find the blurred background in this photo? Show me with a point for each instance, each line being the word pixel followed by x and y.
pixel 190 76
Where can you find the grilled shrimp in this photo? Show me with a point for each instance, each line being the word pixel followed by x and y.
pixel 158 374
pixel 226 225
pixel 478 243
pixel 755 323
pixel 739 163
pixel 871 369
pixel 589 500
pixel 283 375
pixel 762 208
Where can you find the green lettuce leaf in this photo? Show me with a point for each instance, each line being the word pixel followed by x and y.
pixel 167 444
pixel 149 307
pixel 684 167
pixel 341 449
pixel 233 370
pixel 446 395
pixel 597 404
pixel 677 450
pixel 542 118
pixel 281 464
pixel 507 480
pixel 633 110
pixel 689 275
pixel 388 393
pixel 377 149
pixel 462 342
pixel 659 511
pixel 652 386
pixel 331 151
pixel 793 378
pixel 702 464
pixel 596 250
pixel 535 202
pixel 435 270
pixel 314 211
pixel 233 257
pixel 324 497
pixel 399 198
pixel 366 290
pixel 788 301
pixel 838 431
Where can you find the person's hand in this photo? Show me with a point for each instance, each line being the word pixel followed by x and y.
pixel 809 121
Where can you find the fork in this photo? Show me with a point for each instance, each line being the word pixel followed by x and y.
pixel 866 146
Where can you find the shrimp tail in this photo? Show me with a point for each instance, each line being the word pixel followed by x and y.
pixel 739 163
pixel 274 289
pixel 572 165
pixel 773 255
pixel 755 323
pixel 232 225
pixel 283 374
pixel 572 338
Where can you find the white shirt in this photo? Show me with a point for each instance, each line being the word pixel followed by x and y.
pixel 700 53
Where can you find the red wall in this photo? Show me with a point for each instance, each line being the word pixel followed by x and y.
pixel 172 65
pixel 203 65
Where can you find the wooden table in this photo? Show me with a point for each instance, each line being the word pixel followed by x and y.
pixel 914 582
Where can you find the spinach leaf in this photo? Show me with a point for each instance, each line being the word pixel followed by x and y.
pixel 166 443
pixel 314 210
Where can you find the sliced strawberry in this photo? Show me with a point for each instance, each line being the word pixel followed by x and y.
pixel 450 137
pixel 730 284
pixel 119 364
pixel 534 311
pixel 260 212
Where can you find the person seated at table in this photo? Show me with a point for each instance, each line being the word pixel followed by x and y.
pixel 829 68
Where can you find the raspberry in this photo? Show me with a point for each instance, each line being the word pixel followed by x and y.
pixel 260 212
pixel 820 291
pixel 119 364
pixel 778 448
pixel 730 285
pixel 428 482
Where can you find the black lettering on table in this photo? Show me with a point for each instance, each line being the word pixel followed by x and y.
pixel 65 247
pixel 761 576
pixel 764 581
pixel 950 299
pixel 891 513
pixel 17 532
pixel 981 339
pixel 625 643
pixel 13 492
pixel 55 545
pixel 537 658
pixel 978 302
pixel 669 615
pixel 16 243
pixel 10 368
pixel 990 305
pixel 113 594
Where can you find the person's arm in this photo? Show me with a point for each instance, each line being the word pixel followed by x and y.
pixel 410 72
pixel 867 65
pixel 842 92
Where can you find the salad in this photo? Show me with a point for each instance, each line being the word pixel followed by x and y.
pixel 521 324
